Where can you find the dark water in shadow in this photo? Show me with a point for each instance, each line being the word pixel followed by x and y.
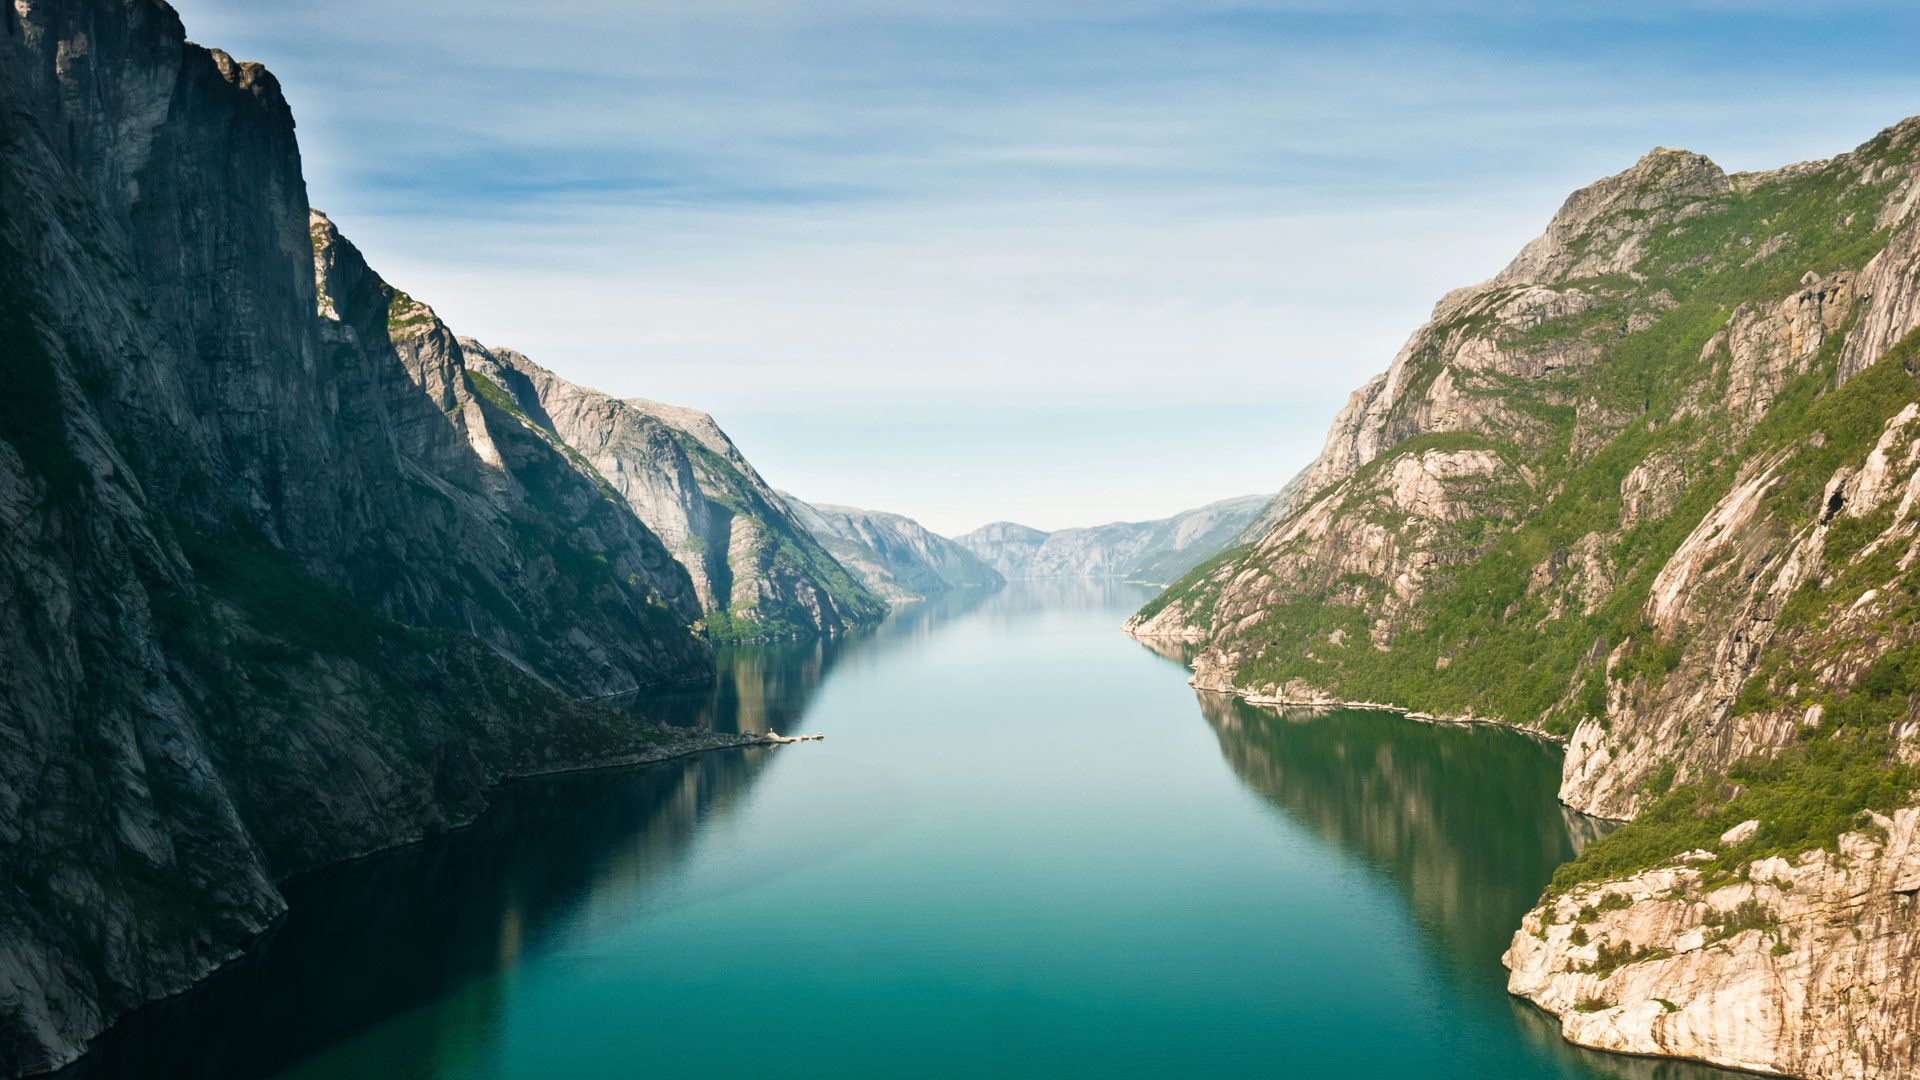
pixel 1026 848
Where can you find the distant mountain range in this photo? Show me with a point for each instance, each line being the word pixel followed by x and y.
pixel 1152 551
pixel 896 557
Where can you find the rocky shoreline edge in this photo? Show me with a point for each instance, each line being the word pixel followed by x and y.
pixel 1803 967
pixel 1213 679
pixel 690 743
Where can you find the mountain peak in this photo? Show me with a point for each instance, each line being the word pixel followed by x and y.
pixel 1601 228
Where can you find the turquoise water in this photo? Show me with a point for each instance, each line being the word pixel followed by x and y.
pixel 1025 848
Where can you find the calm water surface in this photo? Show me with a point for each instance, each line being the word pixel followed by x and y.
pixel 1026 848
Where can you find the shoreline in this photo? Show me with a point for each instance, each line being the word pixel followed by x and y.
pixel 1326 704
pixel 1415 715
pixel 1329 702
pixel 625 761
pixel 1684 1059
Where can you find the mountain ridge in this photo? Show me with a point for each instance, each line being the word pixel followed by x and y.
pixel 758 572
pixel 1644 490
pixel 1158 550
pixel 287 583
pixel 896 556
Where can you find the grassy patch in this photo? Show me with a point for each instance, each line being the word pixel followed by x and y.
pixel 404 312
pixel 493 393
pixel 1804 798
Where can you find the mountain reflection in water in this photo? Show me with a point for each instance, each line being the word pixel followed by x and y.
pixel 1464 818
pixel 1019 853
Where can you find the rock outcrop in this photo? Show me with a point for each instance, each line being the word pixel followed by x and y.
pixel 1807 966
pixel 1153 551
pixel 1649 490
pixel 758 571
pixel 282 582
pixel 898 558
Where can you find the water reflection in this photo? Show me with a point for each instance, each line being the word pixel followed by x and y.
pixel 373 939
pixel 1076 886
pixel 1466 819
pixel 1543 1030
pixel 436 922
pixel 1583 830
pixel 1179 652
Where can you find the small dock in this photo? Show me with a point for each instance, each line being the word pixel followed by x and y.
pixel 817 736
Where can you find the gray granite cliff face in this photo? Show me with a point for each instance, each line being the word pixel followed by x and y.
pixel 896 556
pixel 529 553
pixel 1153 551
pixel 758 572
pixel 282 585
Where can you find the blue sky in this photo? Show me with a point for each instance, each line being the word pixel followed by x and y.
pixel 1056 262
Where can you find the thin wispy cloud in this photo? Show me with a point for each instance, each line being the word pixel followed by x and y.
pixel 814 220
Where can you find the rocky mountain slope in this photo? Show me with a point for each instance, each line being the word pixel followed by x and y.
pixel 897 557
pixel 759 573
pixel 1804 966
pixel 283 581
pixel 1155 551
pixel 1650 489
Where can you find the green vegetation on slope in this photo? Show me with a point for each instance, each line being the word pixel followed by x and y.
pixel 1823 785
pixel 1198 588
pixel 784 551
pixel 492 393
pixel 1476 640
pixel 1485 637
pixel 404 311
pixel 1805 797
pixel 241 566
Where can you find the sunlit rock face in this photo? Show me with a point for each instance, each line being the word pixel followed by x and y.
pixel 1650 490
pixel 1501 481
pixel 1805 966
pixel 758 572
pixel 284 580
pixel 895 556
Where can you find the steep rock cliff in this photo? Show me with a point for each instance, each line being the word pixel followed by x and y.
pixel 897 557
pixel 279 586
pixel 759 573
pixel 1500 523
pixel 1006 546
pixel 1808 966
pixel 1647 490
pixel 530 552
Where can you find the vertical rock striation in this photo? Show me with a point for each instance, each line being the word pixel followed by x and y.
pixel 284 581
pixel 757 571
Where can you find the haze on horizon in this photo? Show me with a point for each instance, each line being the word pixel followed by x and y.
pixel 1030 261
